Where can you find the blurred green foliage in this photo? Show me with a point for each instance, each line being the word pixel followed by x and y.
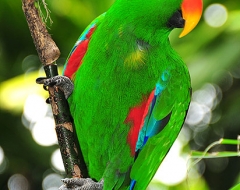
pixel 212 55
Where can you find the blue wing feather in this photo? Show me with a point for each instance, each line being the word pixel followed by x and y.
pixel 151 126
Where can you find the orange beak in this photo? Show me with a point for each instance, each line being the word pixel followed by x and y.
pixel 191 12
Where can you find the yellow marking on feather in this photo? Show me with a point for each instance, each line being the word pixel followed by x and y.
pixel 120 31
pixel 135 59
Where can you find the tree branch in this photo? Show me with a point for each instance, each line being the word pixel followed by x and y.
pixel 48 53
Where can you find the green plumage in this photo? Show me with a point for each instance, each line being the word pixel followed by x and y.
pixel 127 55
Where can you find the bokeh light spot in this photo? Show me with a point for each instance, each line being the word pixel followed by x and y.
pixel 31 62
pixel 43 132
pixel 204 101
pixel 225 79
pixel 173 169
pixel 52 182
pixel 1 155
pixel 197 113
pixel 206 95
pixel 18 182
pixel 35 108
pixel 215 15
pixel 3 161
pixel 217 165
pixel 56 160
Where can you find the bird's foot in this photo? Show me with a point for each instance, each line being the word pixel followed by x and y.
pixel 81 184
pixel 64 83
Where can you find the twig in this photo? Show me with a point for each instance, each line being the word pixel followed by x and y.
pixel 45 18
pixel 48 53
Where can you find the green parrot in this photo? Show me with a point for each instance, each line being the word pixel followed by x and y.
pixel 128 91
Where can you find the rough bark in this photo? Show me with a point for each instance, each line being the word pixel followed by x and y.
pixel 48 53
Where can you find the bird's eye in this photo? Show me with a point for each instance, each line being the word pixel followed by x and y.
pixel 176 21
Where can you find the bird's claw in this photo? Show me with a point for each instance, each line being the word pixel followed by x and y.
pixel 63 82
pixel 45 87
pixel 81 184
pixel 48 101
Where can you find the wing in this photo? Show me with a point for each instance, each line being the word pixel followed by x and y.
pixel 76 55
pixel 163 118
pixel 75 60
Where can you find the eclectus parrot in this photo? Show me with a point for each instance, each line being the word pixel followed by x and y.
pixel 129 91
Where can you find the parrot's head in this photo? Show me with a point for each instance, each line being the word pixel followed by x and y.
pixel 187 17
pixel 162 15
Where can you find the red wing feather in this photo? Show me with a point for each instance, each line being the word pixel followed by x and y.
pixel 78 52
pixel 136 117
